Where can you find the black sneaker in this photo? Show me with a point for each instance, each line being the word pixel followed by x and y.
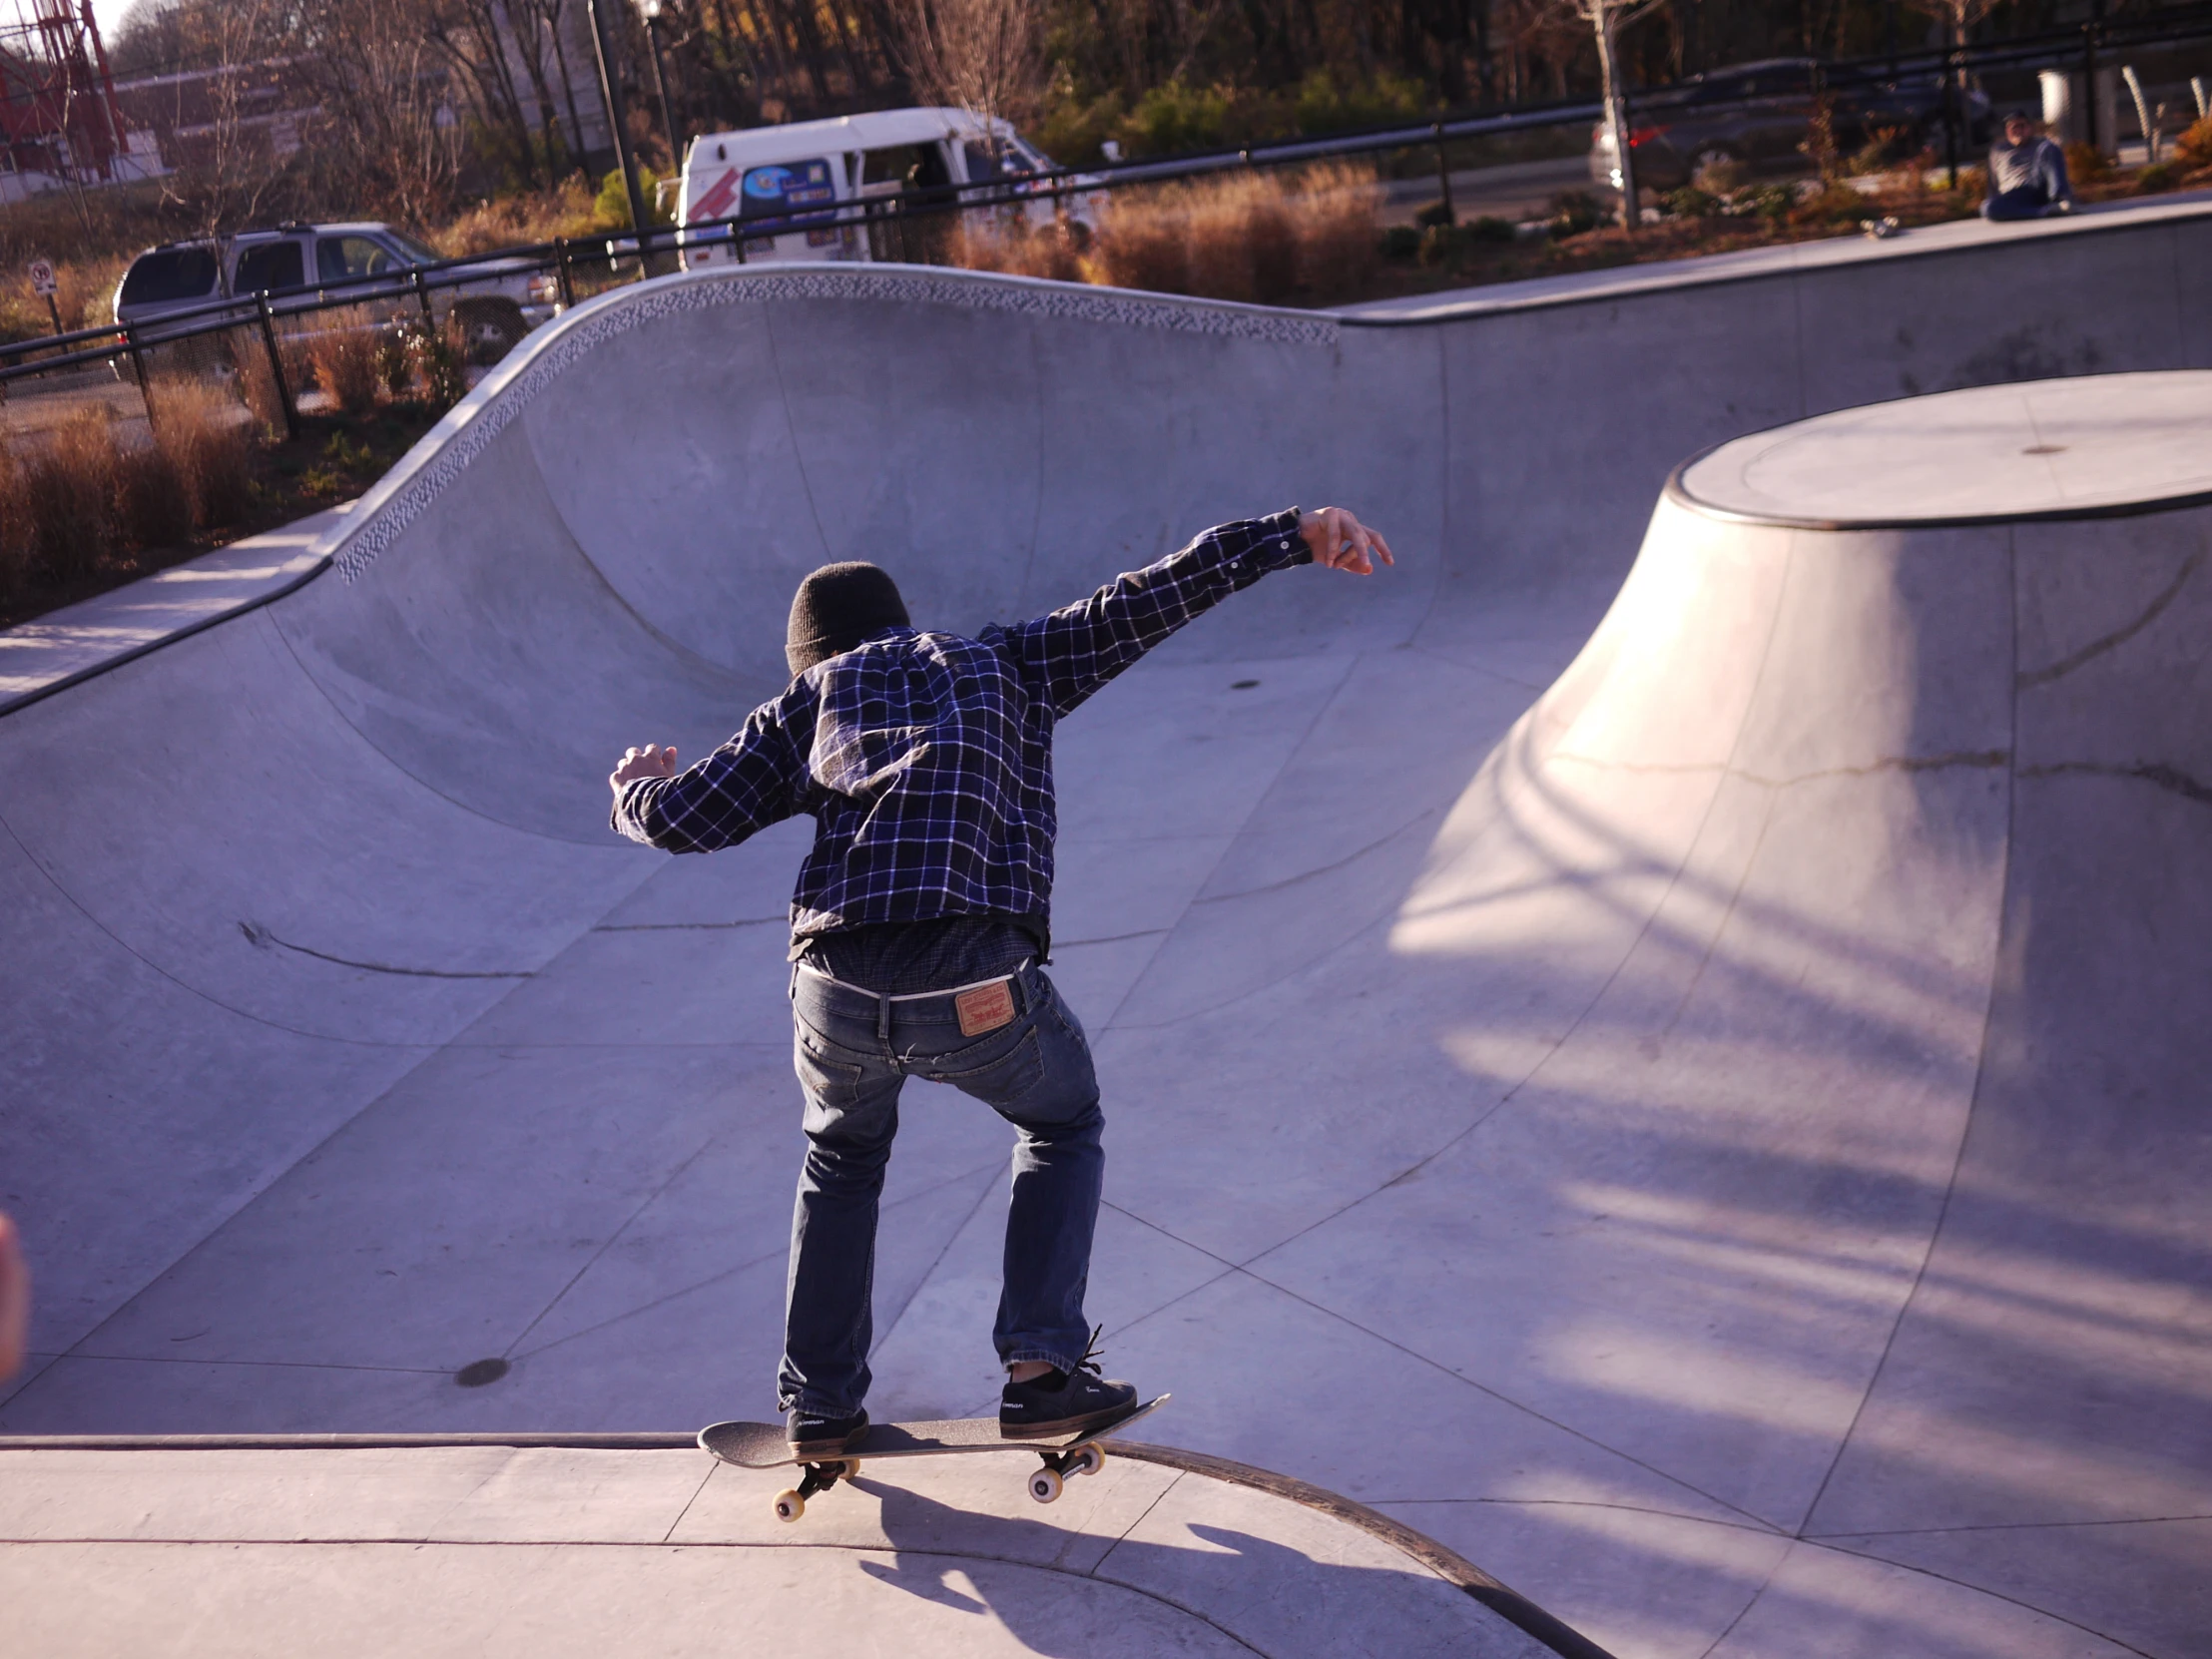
pixel 814 1435
pixel 1063 1402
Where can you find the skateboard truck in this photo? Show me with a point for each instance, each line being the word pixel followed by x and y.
pixel 1085 1457
pixel 762 1445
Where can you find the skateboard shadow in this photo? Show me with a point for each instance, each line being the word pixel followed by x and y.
pixel 1255 1591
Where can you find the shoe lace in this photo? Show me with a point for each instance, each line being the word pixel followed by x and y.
pixel 1090 1361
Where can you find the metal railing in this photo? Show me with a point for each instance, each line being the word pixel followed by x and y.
pixel 568 256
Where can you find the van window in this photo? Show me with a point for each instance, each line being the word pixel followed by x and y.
pixel 173 274
pixel 779 187
pixel 988 161
pixel 274 266
pixel 916 166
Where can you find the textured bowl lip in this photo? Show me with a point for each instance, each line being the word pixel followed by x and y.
pixel 1448 1565
pixel 1678 491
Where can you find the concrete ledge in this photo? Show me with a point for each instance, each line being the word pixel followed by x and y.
pixel 1968 236
pixel 537 1541
pixel 78 641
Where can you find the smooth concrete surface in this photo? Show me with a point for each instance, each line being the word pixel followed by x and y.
pixel 1990 454
pixel 1673 1075
pixel 560 1552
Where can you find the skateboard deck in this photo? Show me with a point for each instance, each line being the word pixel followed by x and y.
pixel 761 1445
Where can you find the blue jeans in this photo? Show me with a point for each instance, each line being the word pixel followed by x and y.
pixel 2024 202
pixel 854 1051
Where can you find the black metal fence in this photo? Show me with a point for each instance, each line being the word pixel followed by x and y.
pixel 602 260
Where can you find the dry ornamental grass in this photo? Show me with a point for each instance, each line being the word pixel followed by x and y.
pixel 346 351
pixel 83 498
pixel 1267 238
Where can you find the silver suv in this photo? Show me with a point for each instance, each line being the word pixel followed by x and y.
pixel 501 300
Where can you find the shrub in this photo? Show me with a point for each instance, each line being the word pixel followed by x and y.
pixel 1175 117
pixel 1336 232
pixel 2192 148
pixel 1574 211
pixel 152 507
pixel 1883 148
pixel 1326 104
pixel 1074 130
pixel 1724 175
pixel 70 496
pixel 1832 205
pixel 1690 202
pixel 503 222
pixel 610 209
pixel 18 545
pixel 1055 253
pixel 257 383
pixel 344 352
pixel 1263 237
pixel 1492 229
pixel 1143 247
pixel 203 442
pixel 1437 213
pixel 2085 164
pixel 2159 176
pixel 1401 241
pixel 438 357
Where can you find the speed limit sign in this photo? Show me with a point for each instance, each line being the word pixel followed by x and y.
pixel 42 277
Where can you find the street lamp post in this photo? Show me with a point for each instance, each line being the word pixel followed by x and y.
pixel 652 10
pixel 610 91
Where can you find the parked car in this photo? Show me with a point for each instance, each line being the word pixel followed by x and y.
pixel 1758 115
pixel 788 184
pixel 298 264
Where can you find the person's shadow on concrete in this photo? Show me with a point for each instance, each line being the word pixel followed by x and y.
pixel 1254 1590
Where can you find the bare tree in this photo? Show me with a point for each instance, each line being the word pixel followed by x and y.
pixel 234 39
pixel 383 82
pixel 1607 18
pixel 983 56
pixel 1956 17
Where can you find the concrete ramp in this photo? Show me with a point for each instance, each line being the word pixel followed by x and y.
pixel 1671 1074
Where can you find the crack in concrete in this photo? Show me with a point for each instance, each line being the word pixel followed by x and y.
pixel 2171 778
pixel 1971 758
pixel 262 938
pixel 2033 678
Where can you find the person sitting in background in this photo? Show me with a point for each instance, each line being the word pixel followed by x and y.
pixel 2028 174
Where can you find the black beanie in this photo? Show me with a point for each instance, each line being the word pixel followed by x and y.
pixel 837 608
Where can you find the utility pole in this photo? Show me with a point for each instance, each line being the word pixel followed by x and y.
pixel 659 84
pixel 610 92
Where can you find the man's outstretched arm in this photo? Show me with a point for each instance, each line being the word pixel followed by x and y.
pixel 749 783
pixel 1071 651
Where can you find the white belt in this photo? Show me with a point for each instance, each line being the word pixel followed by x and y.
pixel 883 1002
pixel 913 996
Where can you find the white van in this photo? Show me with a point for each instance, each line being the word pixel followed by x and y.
pixel 794 178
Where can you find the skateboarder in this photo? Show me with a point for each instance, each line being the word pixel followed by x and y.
pixel 920 931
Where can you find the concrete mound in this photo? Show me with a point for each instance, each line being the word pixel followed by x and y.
pixel 1695 1110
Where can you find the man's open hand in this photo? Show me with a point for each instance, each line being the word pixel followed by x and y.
pixel 642 763
pixel 1340 542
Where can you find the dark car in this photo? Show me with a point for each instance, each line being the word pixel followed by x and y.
pixel 1758 115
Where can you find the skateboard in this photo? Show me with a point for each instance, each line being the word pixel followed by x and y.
pixel 761 1445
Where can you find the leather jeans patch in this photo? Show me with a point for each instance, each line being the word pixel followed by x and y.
pixel 985 1008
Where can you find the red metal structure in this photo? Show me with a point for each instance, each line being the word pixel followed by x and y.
pixel 58 112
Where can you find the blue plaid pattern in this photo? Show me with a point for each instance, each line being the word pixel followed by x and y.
pixel 926 758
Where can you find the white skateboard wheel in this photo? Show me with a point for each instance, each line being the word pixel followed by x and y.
pixel 1044 1485
pixel 788 1505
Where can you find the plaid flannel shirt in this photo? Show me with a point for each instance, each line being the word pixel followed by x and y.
pixel 926 758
